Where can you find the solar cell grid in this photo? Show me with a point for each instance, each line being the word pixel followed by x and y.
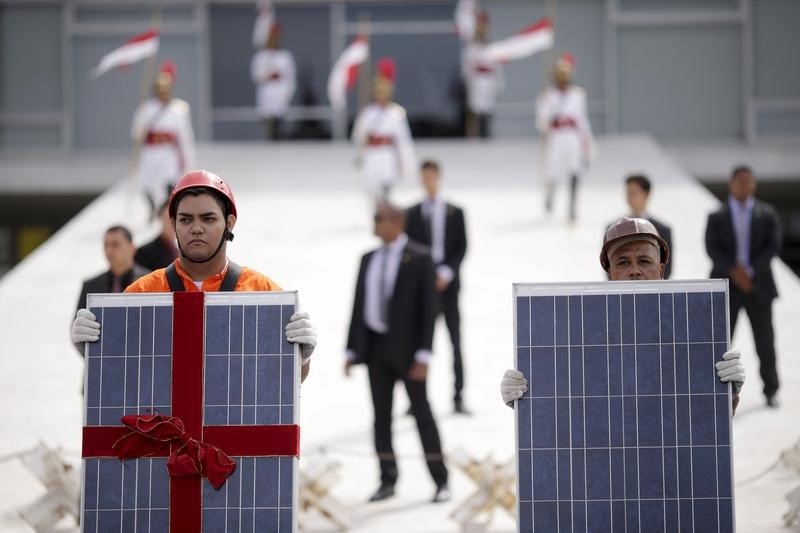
pixel 250 377
pixel 624 426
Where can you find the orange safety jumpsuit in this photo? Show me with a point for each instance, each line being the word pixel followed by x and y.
pixel 156 281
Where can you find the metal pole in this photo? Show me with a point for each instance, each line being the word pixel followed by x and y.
pixel 144 86
pixel 612 69
pixel 548 59
pixel 365 73
pixel 550 11
pixel 338 23
pixel 748 70
pixel 67 77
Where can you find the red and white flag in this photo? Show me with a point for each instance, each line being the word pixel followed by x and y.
pixel 530 41
pixel 345 72
pixel 466 11
pixel 265 18
pixel 136 49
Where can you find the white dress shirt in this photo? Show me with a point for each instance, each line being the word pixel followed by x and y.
pixel 382 274
pixel 434 210
pixel 741 217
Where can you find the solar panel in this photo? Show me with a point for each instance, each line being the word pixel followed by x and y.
pixel 624 426
pixel 250 378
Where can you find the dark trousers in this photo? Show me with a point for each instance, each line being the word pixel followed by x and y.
pixel 573 196
pixel 484 125
pixel 273 129
pixel 381 382
pixel 448 306
pixel 760 314
pixel 479 125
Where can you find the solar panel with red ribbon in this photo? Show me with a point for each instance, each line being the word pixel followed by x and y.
pixel 190 421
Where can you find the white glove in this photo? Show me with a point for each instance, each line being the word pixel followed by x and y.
pixel 512 386
pixel 300 330
pixel 85 327
pixel 731 369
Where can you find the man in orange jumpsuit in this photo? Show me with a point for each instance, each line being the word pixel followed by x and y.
pixel 203 213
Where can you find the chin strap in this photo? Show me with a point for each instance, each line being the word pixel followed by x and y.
pixel 226 236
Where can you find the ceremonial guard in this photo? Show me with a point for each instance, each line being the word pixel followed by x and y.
pixel 561 117
pixel 483 78
pixel 382 134
pixel 274 73
pixel 162 128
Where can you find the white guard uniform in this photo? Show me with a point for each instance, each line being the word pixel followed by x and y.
pixel 484 79
pixel 167 149
pixel 569 146
pixel 387 150
pixel 274 72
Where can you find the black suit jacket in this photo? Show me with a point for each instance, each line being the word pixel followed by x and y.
pixel 412 311
pixel 666 234
pixel 155 254
pixel 455 236
pixel 765 243
pixel 102 283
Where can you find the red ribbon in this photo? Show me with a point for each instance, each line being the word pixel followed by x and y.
pixel 151 434
pixel 192 448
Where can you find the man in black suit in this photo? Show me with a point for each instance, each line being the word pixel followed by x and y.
pixel 161 251
pixel 637 193
pixel 122 270
pixel 440 225
pixel 391 331
pixel 741 240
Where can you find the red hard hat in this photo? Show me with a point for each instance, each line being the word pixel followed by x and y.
pixel 626 230
pixel 204 179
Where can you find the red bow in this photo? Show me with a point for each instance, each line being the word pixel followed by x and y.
pixel 151 434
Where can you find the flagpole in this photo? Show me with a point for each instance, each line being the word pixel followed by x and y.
pixel 363 91
pixel 547 61
pixel 145 83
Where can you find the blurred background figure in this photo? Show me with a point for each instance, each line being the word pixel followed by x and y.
pixel 483 78
pixel 562 120
pixel 162 129
pixel 382 135
pixel 122 270
pixel 274 73
pixel 742 237
pixel 391 331
pixel 440 225
pixel 162 250
pixel 637 194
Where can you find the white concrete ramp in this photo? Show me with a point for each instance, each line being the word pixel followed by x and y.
pixel 305 222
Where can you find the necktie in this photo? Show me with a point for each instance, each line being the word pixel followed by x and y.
pixel 743 251
pixel 383 309
pixel 427 215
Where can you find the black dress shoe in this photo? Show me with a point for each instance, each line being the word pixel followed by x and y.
pixel 383 492
pixel 442 494
pixel 461 410
pixel 772 401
